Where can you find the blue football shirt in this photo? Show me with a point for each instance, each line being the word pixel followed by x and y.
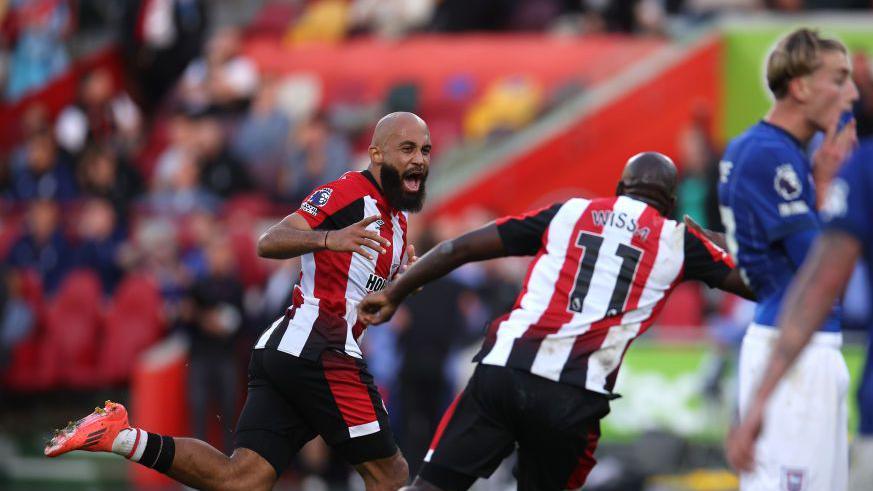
pixel 849 203
pixel 767 201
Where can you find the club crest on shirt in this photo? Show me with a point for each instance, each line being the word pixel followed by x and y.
pixel 792 479
pixel 786 182
pixel 319 198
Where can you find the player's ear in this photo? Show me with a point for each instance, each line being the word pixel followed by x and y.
pixel 375 154
pixel 799 89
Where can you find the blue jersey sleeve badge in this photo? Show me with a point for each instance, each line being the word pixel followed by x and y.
pixel 786 182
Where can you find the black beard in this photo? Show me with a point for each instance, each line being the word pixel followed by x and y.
pixel 392 186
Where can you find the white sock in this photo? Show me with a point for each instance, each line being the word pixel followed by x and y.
pixel 130 443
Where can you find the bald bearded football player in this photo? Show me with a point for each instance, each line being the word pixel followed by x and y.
pixel 307 375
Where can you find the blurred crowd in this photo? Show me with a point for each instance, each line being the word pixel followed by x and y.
pixel 169 166
pixel 160 36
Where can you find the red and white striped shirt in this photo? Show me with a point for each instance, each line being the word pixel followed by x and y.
pixel 603 270
pixel 323 314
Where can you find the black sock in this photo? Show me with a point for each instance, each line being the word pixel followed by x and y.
pixel 159 452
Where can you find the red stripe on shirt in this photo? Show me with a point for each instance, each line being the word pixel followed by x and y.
pixel 557 314
pixel 652 220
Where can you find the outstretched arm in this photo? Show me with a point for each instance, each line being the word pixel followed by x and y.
pixel 810 298
pixel 293 237
pixel 733 283
pixel 478 245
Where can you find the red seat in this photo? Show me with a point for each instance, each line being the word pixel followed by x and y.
pixel 684 308
pixel 28 370
pixel 252 269
pixel 10 229
pixel 134 321
pixel 73 320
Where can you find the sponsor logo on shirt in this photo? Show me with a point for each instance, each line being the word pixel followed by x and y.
pixel 792 479
pixel 786 182
pixel 793 208
pixel 376 283
pixel 309 209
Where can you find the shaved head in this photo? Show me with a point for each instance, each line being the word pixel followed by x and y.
pixel 396 124
pixel 400 158
pixel 650 177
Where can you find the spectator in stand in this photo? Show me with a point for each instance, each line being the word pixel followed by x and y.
pixel 221 173
pixel 45 174
pixel 42 247
pixel 155 249
pixel 224 78
pixel 214 323
pixel 103 174
pixel 36 30
pixel 16 317
pixel 318 154
pixel 261 138
pixel 197 230
pixel 183 193
pixel 693 195
pixel 390 18
pixel 862 74
pixel 100 115
pixel 34 120
pixel 472 15
pixel 181 136
pixel 100 239
pixel 159 38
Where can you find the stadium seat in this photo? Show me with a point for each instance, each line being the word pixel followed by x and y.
pixel 11 223
pixel 73 320
pixel 684 308
pixel 134 321
pixel 251 268
pixel 28 370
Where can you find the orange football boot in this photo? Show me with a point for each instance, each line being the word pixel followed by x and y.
pixel 93 433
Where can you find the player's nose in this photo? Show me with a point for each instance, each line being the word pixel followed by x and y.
pixel 854 95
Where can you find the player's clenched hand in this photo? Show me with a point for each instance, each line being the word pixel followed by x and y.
pixel 376 308
pixel 356 238
pixel 716 237
pixel 740 446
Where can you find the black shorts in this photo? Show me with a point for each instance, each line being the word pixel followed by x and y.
pixel 555 426
pixel 291 400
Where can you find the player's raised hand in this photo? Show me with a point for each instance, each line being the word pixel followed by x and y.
pixel 376 308
pixel 356 238
pixel 740 447
pixel 834 149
